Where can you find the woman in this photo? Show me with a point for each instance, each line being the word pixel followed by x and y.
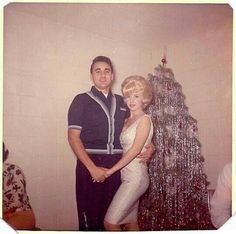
pixel 17 211
pixel 136 134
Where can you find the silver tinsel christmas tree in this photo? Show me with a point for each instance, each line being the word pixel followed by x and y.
pixel 177 195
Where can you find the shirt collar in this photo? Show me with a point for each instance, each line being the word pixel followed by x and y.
pixel 98 93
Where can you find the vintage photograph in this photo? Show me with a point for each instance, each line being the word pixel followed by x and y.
pixel 117 116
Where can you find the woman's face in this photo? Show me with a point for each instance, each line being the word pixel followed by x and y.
pixel 134 101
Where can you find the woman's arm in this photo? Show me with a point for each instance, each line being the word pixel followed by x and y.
pixel 141 136
pixel 21 220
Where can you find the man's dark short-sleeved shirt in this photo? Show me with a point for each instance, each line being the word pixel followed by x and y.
pixel 100 120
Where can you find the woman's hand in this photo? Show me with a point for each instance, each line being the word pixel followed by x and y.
pixel 98 174
pixel 108 173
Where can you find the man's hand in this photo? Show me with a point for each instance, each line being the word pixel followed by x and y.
pixel 98 174
pixel 147 154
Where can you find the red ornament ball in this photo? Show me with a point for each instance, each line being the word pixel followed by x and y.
pixel 163 60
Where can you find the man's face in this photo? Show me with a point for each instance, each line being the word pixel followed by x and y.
pixel 102 76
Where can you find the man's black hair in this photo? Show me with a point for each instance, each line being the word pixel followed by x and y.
pixel 101 59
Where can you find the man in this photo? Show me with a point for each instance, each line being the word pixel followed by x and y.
pixel 95 121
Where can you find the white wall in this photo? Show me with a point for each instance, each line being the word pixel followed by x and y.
pixel 46 63
pixel 203 66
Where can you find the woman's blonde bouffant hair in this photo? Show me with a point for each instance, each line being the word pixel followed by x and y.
pixel 137 84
